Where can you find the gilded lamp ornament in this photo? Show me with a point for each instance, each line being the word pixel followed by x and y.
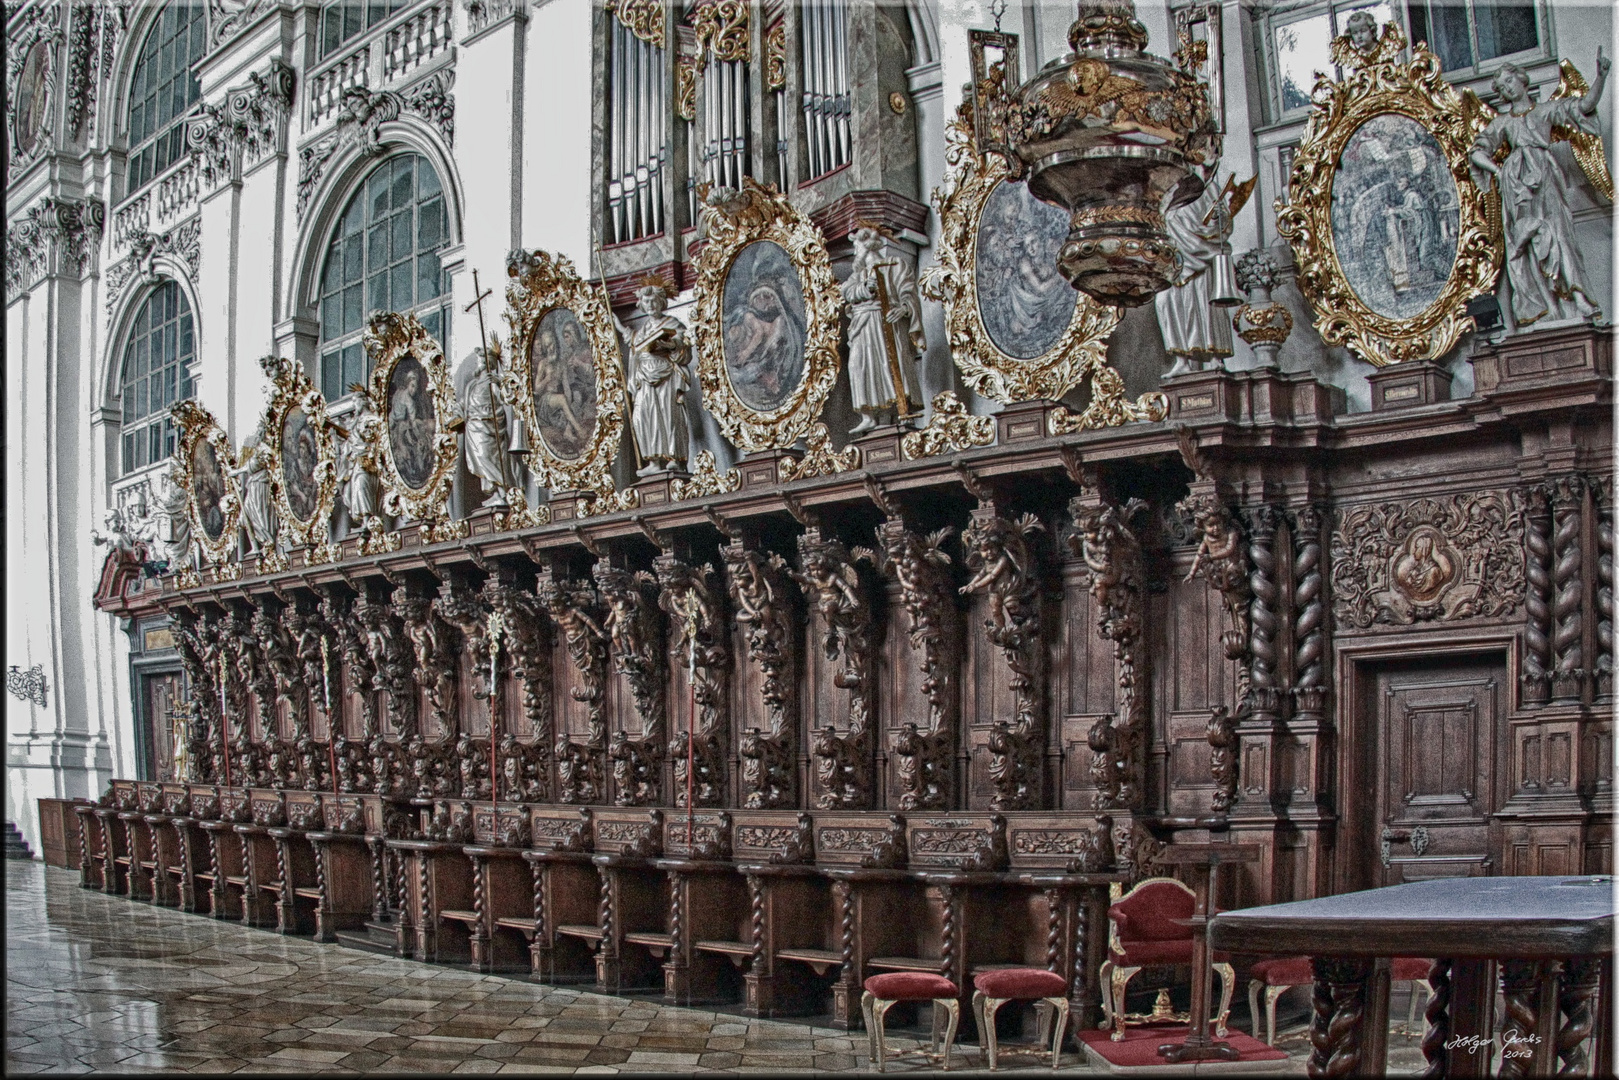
pixel 1114 136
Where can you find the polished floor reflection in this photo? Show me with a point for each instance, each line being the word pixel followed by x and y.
pixel 101 984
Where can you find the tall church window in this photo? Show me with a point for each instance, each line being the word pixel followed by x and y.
pixel 638 143
pixel 825 35
pixel 156 373
pixel 383 256
pixel 162 92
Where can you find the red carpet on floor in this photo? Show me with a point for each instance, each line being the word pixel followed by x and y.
pixel 1140 1045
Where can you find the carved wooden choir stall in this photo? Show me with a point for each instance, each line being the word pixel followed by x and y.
pixel 912 703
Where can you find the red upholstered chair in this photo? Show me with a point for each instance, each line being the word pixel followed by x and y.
pixel 885 991
pixel 1150 927
pixel 1279 974
pixel 992 989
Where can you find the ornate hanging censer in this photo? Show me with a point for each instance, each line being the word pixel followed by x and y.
pixel 1111 134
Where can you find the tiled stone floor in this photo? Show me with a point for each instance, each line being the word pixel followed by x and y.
pixel 100 984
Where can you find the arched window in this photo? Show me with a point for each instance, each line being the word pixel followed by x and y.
pixel 163 90
pixel 157 373
pixel 383 257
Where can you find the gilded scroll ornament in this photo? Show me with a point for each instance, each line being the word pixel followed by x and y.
pixel 686 86
pixel 949 430
pixel 419 443
pixel 1108 406
pixel 1429 560
pixel 643 18
pixel 776 57
pixel 1018 331
pixel 204 469
pixel 1391 234
pixel 300 452
pixel 722 29
pixel 821 459
pixel 706 479
pixel 767 317
pixel 564 376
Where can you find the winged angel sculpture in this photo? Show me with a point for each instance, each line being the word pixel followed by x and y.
pixel 1531 192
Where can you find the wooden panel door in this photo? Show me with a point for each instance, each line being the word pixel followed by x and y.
pixel 1440 745
pixel 161 694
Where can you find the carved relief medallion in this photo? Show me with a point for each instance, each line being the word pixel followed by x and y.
pixel 1431 559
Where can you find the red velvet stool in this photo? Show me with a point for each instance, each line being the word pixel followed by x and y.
pixel 1279 975
pixel 885 991
pixel 992 989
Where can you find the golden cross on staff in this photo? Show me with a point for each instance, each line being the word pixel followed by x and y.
pixel 477 302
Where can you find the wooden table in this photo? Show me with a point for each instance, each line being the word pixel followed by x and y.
pixel 1552 937
pixel 1205 861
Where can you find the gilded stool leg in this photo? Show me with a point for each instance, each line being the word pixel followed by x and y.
pixel 1121 983
pixel 1059 1028
pixel 1104 976
pixel 1254 986
pixel 872 1044
pixel 952 1008
pixel 1271 994
pixel 1228 983
pixel 978 1019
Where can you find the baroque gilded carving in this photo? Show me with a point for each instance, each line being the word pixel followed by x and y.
pixel 418 438
pixel 734 221
pixel 921 567
pixel 1000 554
pixel 699 642
pixel 205 469
pixel 546 289
pixel 1102 537
pixel 643 18
pixel 820 458
pixel 1378 84
pixel 763 606
pixel 949 430
pixel 1441 559
pixel 574 610
pixel 972 177
pixel 722 30
pixel 635 630
pixel 832 584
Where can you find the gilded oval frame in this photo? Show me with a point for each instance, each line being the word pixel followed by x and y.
pixel 971 178
pixel 291 389
pixel 734 221
pixel 195 424
pixel 545 283
pixel 1377 83
pixel 390 338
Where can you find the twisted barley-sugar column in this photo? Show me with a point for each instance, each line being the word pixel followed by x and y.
pixel 1577 991
pixel 947 947
pixel 756 898
pixel 1537 646
pixel 1337 1038
pixel 1053 929
pixel 1262 612
pixel 846 909
pixel 1520 985
pixel 604 915
pixel 1603 493
pixel 379 879
pixel 1568 498
pixel 1309 634
pixel 1437 1014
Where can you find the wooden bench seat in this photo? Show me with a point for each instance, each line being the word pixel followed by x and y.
pixel 524 926
pixel 589 933
pixel 470 918
pixel 726 948
pixel 903 963
pixel 819 959
pixel 652 938
pixel 308 894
